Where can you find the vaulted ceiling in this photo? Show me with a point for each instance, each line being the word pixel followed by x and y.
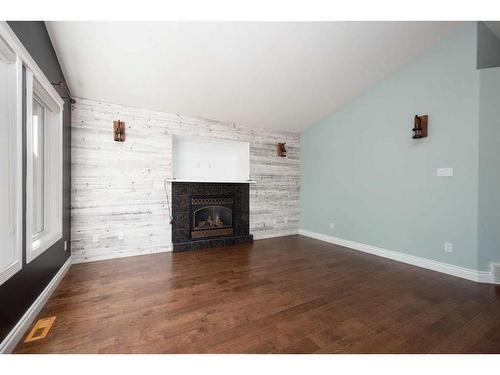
pixel 276 75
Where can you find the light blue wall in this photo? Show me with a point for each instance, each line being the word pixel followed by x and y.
pixel 361 170
pixel 489 167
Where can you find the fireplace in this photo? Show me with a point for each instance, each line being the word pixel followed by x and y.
pixel 209 215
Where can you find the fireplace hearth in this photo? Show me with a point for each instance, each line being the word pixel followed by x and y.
pixel 209 215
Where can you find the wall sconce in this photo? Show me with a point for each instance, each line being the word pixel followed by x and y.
pixel 281 150
pixel 119 131
pixel 420 127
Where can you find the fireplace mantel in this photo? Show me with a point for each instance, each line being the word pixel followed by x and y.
pixel 212 182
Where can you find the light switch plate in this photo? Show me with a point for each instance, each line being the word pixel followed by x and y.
pixel 95 238
pixel 444 172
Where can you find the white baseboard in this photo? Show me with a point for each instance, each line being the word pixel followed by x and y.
pixel 17 333
pixel 465 273
pixel 78 260
pixel 265 236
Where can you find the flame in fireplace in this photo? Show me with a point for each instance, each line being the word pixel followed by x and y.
pixel 212 217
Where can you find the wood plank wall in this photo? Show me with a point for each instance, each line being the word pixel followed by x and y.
pixel 118 187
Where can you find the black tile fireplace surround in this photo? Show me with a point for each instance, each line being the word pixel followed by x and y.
pixel 209 215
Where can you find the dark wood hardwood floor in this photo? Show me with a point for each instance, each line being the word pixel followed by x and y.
pixel 284 295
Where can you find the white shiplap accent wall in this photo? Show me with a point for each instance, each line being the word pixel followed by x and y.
pixel 118 187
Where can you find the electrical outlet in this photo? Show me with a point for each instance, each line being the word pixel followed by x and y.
pixel 274 221
pixel 121 236
pixel 444 172
pixel 332 225
pixel 95 238
pixel 448 247
pixel 286 220
pixel 65 245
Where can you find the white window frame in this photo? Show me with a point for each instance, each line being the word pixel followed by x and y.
pixel 13 116
pixel 37 243
pixel 12 50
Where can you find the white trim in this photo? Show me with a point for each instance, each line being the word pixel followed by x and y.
pixel 12 40
pixel 44 96
pixel 77 260
pixel 265 236
pixel 17 333
pixel 14 134
pixel 6 53
pixel 52 170
pixel 484 277
pixel 495 276
pixel 450 269
pixel 11 269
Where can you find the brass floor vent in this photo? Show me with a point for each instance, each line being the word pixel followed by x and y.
pixel 40 329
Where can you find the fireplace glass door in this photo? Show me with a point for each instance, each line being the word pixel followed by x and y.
pixel 211 216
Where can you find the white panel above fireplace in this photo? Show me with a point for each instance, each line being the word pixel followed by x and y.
pixel 210 160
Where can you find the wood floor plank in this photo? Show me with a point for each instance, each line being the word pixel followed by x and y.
pixel 284 295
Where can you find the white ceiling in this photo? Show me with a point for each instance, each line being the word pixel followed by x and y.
pixel 275 75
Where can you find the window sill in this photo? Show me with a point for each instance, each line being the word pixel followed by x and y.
pixel 42 244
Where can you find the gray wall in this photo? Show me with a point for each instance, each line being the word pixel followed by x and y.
pixel 489 167
pixel 20 291
pixel 361 170
pixel 488 47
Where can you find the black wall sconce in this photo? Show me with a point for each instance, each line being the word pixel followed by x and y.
pixel 119 131
pixel 420 127
pixel 281 149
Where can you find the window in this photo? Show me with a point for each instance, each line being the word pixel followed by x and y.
pixel 10 162
pixel 38 166
pixel 43 105
pixel 44 169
